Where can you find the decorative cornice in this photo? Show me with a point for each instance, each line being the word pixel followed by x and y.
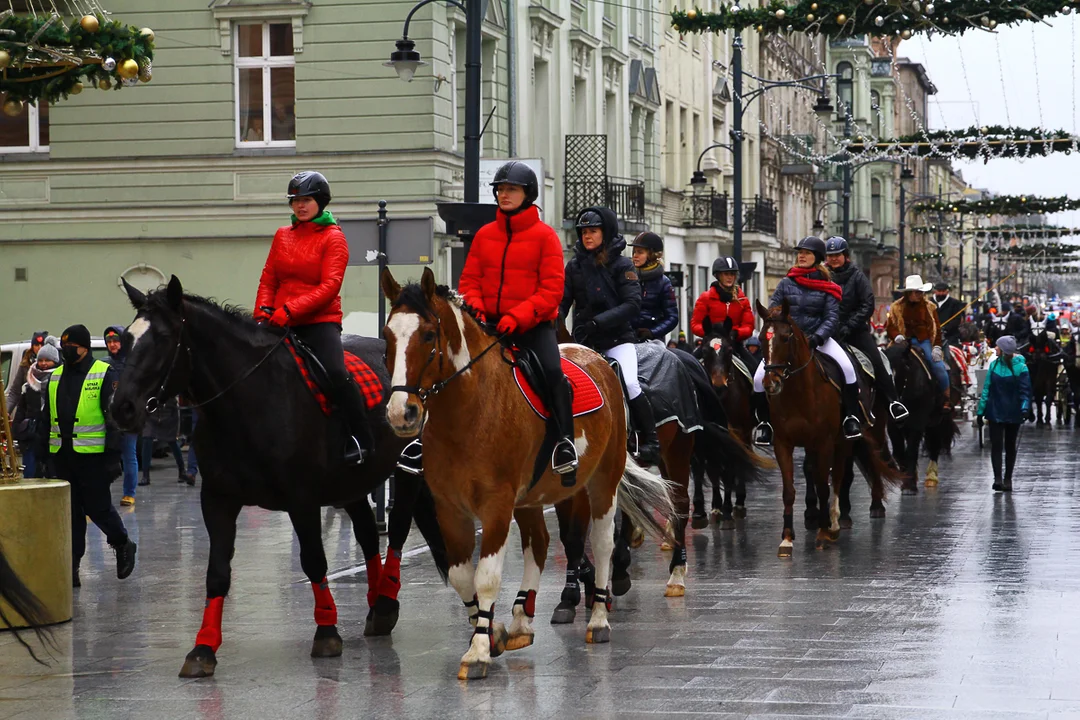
pixel 226 14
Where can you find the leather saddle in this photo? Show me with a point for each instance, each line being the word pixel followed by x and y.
pixel 831 371
pixel 315 370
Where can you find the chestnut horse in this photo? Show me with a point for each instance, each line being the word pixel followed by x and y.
pixel 805 410
pixel 481 439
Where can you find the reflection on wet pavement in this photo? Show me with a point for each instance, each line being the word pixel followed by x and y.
pixel 961 604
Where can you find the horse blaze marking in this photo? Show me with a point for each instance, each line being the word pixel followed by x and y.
pixel 403 326
pixel 138 328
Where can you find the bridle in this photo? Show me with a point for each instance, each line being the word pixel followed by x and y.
pixel 784 369
pixel 440 385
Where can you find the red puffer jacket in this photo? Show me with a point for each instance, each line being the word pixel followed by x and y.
pixel 515 267
pixel 710 305
pixel 304 272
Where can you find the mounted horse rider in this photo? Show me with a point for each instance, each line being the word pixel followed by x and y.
pixel 1018 325
pixel 814 300
pixel 603 288
pixel 514 277
pixel 914 318
pixel 300 288
pixel 659 309
pixel 950 312
pixel 856 308
pixel 725 299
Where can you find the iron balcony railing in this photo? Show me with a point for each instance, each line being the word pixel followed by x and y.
pixel 705 210
pixel 625 197
pixel 760 215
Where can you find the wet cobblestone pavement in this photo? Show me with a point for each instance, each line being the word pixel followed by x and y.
pixel 961 604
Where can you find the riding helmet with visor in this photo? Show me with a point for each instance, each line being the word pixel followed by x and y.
pixel 517 173
pixel 724 264
pixel 836 245
pixel 310 184
pixel 649 241
pixel 815 245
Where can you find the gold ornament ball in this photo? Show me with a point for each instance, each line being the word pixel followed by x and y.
pixel 5 59
pixel 906 34
pixel 780 14
pixel 993 24
pixel 128 69
pixel 104 84
pixel 813 6
pixel 761 28
pixel 90 23
pixel 841 19
pixel 810 17
pixel 13 108
pixel 76 89
pixel 149 34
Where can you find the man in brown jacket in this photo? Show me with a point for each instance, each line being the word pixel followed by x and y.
pixel 913 317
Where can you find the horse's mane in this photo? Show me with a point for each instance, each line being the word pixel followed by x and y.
pixel 237 316
pixel 412 296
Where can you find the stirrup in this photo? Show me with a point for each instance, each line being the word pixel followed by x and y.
pixel 763 434
pixel 565 465
pixel 858 431
pixel 897 410
pixel 354 454
pixel 412 459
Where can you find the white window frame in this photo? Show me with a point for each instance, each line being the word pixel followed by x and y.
pixel 265 63
pixel 35 146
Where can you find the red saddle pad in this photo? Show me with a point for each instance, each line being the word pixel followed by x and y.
pixel 364 377
pixel 587 397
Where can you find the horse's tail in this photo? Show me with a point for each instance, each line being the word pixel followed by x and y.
pixel 642 494
pixel 720 451
pixel 948 431
pixel 428 525
pixel 24 602
pixel 869 458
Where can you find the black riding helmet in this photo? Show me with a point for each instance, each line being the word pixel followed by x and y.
pixel 649 241
pixel 310 184
pixel 520 174
pixel 724 264
pixel 836 245
pixel 815 245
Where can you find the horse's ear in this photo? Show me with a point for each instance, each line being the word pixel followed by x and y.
pixel 785 307
pixel 725 329
pixel 136 296
pixel 390 287
pixel 762 311
pixel 174 293
pixel 427 284
pixel 706 325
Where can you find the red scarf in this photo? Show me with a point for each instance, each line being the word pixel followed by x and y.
pixel 801 277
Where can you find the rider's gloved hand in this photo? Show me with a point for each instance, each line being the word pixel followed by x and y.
pixel 814 342
pixel 588 328
pixel 507 324
pixel 936 354
pixel 280 318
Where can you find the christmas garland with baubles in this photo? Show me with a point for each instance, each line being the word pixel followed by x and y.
pixel 987 142
pixel 1008 205
pixel 45 58
pixel 852 18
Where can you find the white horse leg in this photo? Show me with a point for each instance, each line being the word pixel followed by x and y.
pixel 521 629
pixel 602 535
pixel 488 578
pixel 834 511
pixel 462 580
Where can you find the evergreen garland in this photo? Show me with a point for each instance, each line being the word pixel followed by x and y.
pixel 994 141
pixel 852 18
pixel 62 57
pixel 1008 205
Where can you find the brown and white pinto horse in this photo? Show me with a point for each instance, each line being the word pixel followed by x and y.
pixel 480 441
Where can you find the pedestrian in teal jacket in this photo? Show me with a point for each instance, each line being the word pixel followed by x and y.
pixel 1006 400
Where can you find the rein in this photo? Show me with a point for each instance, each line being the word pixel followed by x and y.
pixel 785 368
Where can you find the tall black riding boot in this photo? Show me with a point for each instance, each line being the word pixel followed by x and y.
pixel 564 458
pixel 852 412
pixel 644 422
pixel 361 443
pixel 763 432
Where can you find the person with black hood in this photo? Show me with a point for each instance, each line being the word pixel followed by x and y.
pixel 28 358
pixel 857 305
pixel 603 288
pixel 84 447
pixel 659 310
pixel 129 442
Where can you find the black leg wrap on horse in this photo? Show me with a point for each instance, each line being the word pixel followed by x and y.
pixel 678 557
pixel 602 596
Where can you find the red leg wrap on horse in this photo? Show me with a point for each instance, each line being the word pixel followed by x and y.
pixel 374 574
pixel 390 583
pixel 210 632
pixel 530 604
pixel 325 609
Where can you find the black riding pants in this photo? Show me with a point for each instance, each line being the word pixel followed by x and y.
pixel 543 341
pixel 324 339
pixel 1003 435
pixel 865 341
pixel 89 478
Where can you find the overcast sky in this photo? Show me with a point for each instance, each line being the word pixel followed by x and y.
pixel 1026 51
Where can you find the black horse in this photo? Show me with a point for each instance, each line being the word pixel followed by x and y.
pixel 263 440
pixel 1045 357
pixel 927 419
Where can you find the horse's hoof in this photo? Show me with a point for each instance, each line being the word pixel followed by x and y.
pixel 598 636
pixel 845 522
pixel 637 538
pixel 666 546
pixel 473 671
pixel 563 615
pixel 382 619
pixel 740 512
pixel 931 482
pixel 327 642
pixel 727 524
pixel 784 552
pixel 876 512
pixel 699 522
pixel 715 512
pixel 620 585
pixel 199 663
pixel 498 646
pixel 909 490
pixel 675 591
pixel 517 642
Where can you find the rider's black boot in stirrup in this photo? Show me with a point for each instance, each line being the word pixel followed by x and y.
pixel 852 424
pixel 359 444
pixel 564 458
pixel 763 432
pixel 645 423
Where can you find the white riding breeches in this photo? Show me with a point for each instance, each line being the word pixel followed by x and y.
pixel 830 348
pixel 626 356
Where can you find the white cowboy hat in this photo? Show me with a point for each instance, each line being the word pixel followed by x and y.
pixel 914 282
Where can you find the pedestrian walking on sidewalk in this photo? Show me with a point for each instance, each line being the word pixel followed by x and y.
pixel 162 426
pixel 1005 402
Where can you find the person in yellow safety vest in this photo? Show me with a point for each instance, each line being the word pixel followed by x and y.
pixel 83 449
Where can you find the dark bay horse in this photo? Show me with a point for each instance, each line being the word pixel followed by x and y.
pixel 481 438
pixel 927 419
pixel 263 440
pixel 805 410
pixel 1045 360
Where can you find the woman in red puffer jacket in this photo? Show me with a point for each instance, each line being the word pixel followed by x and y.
pixel 514 276
pixel 300 288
